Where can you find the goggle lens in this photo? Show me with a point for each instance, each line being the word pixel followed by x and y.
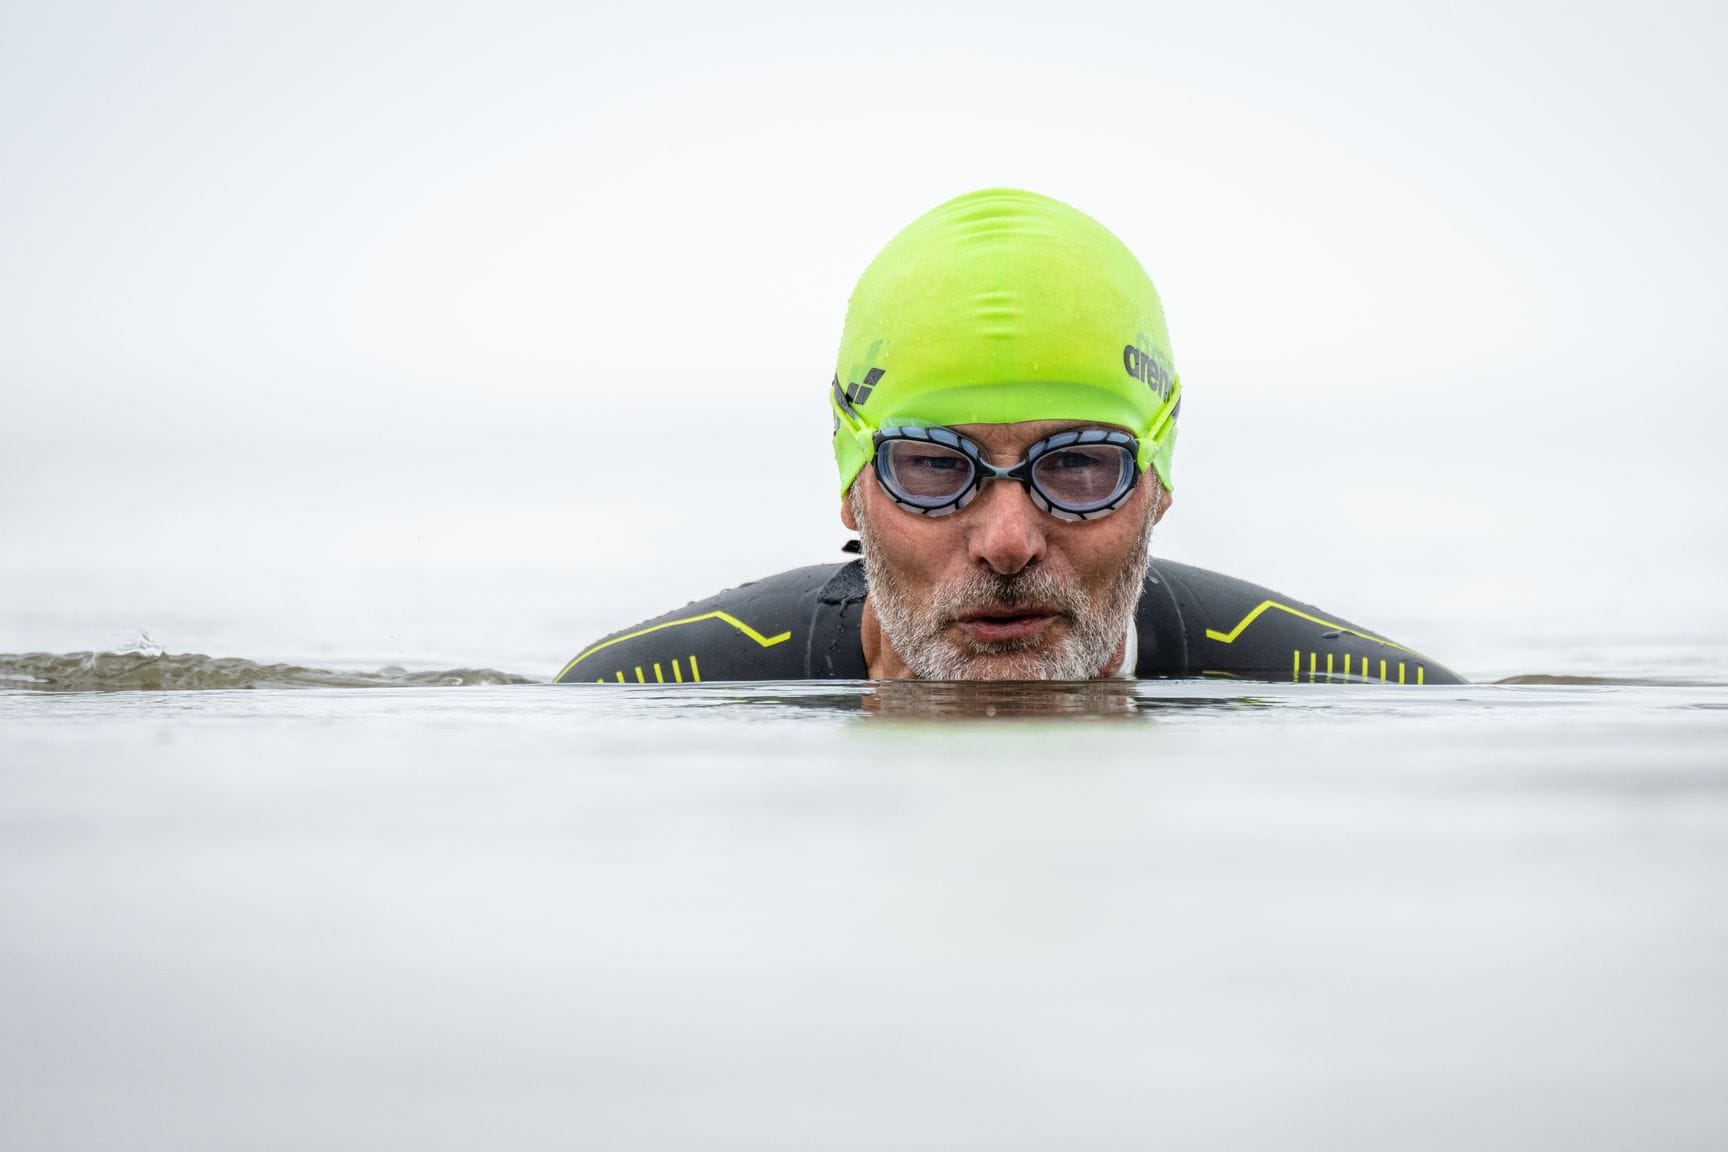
pixel 926 474
pixel 1083 476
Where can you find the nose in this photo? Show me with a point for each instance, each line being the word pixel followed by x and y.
pixel 1006 532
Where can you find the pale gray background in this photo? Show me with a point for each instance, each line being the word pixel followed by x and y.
pixel 431 331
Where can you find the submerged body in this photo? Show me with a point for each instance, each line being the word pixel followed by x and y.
pixel 805 624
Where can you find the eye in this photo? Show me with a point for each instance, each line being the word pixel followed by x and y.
pixel 929 462
pixel 1067 460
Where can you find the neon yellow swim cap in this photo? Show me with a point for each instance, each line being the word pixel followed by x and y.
pixel 1001 306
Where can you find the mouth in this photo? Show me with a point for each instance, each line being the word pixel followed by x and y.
pixel 998 625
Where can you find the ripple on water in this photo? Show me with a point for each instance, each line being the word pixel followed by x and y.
pixel 153 670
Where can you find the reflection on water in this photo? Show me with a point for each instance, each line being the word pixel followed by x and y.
pixel 920 700
pixel 947 700
pixel 985 699
pixel 1090 699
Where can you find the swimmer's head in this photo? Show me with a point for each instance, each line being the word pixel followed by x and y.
pixel 1002 307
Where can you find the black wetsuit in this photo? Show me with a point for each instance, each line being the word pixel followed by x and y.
pixel 803 625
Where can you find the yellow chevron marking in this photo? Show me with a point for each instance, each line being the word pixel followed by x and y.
pixel 1346 663
pixel 639 679
pixel 599 679
pixel 1265 605
pixel 620 677
pixel 1328 665
pixel 677 675
pixel 726 617
pixel 658 678
pixel 1419 671
pixel 1400 671
pixel 1313 658
pixel 696 673
pixel 1295 665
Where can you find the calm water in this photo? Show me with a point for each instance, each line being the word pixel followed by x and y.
pixel 853 917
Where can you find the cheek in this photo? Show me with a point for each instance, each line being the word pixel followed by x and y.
pixel 922 548
pixel 918 548
pixel 1100 549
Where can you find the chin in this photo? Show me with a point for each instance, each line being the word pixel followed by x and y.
pixel 1061 660
pixel 992 668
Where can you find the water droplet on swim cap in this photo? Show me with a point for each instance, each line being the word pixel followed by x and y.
pixel 1001 306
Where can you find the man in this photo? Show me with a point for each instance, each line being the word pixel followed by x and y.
pixel 1005 415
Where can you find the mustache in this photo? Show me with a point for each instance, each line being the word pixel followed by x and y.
pixel 1027 588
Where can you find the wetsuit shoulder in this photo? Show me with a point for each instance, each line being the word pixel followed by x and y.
pixel 791 626
pixel 1193 622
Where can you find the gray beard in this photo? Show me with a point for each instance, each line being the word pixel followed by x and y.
pixel 921 634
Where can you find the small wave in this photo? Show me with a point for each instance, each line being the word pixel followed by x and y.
pixel 1610 681
pixel 149 669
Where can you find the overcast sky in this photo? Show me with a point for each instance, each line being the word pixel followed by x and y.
pixel 442 284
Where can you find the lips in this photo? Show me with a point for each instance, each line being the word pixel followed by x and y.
pixel 995 625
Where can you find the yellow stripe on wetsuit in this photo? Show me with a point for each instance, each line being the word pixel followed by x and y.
pixel 1365 676
pixel 695 676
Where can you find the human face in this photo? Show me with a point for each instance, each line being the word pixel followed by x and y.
pixel 999 590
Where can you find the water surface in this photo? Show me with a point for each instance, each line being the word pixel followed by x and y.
pixel 835 915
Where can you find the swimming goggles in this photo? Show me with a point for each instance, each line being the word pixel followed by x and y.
pixel 1078 475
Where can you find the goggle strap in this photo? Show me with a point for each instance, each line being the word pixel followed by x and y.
pixel 1166 414
pixel 853 416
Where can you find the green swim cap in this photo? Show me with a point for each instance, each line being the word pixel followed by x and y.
pixel 1001 306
